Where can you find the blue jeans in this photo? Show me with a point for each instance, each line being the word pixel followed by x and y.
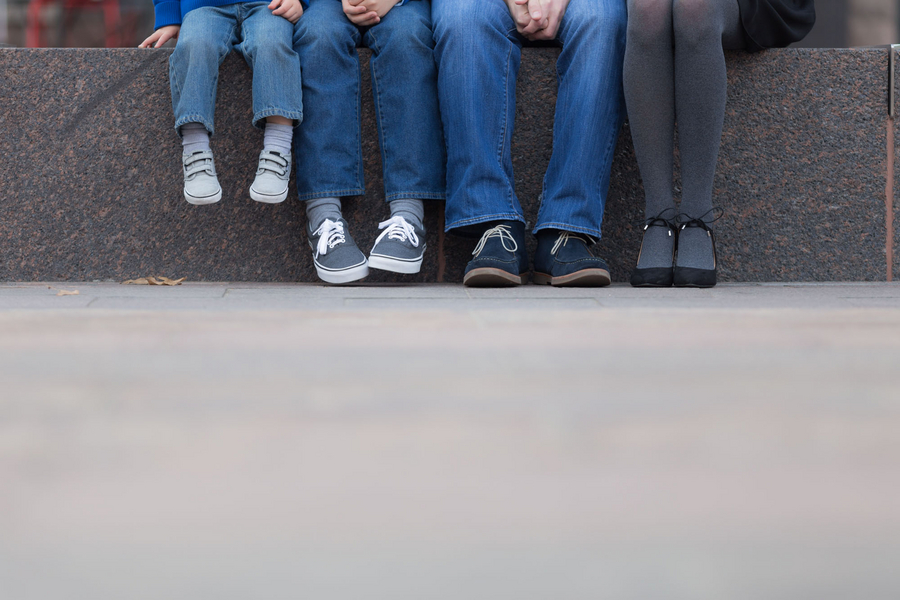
pixel 208 35
pixel 328 146
pixel 478 52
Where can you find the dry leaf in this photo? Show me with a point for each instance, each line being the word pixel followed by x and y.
pixel 166 281
pixel 158 280
pixel 67 293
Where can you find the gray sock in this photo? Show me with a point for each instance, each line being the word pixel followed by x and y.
pixel 319 209
pixel 695 249
pixel 194 138
pixel 278 138
pixel 410 209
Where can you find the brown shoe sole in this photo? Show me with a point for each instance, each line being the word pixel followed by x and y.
pixel 583 278
pixel 488 277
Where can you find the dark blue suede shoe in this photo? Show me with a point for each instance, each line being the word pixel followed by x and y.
pixel 563 259
pixel 500 257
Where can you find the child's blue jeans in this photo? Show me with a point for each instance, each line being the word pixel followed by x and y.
pixel 404 82
pixel 208 34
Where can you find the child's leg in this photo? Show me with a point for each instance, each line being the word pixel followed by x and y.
pixel 328 145
pixel 404 81
pixel 206 37
pixel 277 104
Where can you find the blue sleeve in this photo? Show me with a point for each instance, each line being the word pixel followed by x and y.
pixel 168 12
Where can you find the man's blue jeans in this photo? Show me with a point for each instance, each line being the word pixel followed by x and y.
pixel 478 52
pixel 328 146
pixel 208 35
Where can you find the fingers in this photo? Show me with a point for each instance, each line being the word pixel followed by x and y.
pixel 366 20
pixel 352 10
pixel 296 11
pixel 149 41
pixel 163 38
pixel 274 4
pixel 535 10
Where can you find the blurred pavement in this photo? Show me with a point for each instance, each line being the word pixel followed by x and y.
pixel 232 441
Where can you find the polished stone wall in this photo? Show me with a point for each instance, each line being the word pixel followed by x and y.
pixel 90 184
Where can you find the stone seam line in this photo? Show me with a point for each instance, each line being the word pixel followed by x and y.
pixel 889 176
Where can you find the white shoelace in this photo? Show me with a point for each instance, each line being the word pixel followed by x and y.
pixel 501 231
pixel 564 238
pixel 398 228
pixel 331 234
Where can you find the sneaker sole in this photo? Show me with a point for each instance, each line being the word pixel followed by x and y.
pixel 201 200
pixel 343 276
pixel 489 277
pixel 268 199
pixel 395 265
pixel 583 278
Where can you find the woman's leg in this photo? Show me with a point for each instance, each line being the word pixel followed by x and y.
pixel 650 97
pixel 702 28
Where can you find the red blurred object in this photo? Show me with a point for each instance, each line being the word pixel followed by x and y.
pixel 35 33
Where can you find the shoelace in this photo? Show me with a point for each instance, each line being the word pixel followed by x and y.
pixel 501 231
pixel 398 228
pixel 274 162
pixel 199 162
pixel 565 236
pixel 331 234
pixel 685 220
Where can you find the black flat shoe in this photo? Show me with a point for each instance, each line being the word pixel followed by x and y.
pixel 656 276
pixel 691 276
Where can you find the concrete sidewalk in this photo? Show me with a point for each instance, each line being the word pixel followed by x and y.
pixel 430 442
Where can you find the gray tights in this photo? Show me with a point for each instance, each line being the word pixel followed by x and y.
pixel 675 69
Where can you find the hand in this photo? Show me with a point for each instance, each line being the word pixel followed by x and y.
pixel 161 36
pixel 365 13
pixel 519 11
pixel 551 12
pixel 538 19
pixel 291 10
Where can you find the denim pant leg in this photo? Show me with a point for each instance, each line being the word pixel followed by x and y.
pixel 207 36
pixel 328 147
pixel 267 46
pixel 589 112
pixel 478 54
pixel 404 82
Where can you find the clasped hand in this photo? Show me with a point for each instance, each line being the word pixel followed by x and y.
pixel 538 19
pixel 365 13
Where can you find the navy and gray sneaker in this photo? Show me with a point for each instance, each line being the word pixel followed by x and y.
pixel 500 257
pixel 563 259
pixel 399 248
pixel 335 254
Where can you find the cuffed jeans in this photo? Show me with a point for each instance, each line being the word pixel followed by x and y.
pixel 478 52
pixel 328 146
pixel 208 34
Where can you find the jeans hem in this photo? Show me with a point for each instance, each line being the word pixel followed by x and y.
pixel 567 227
pixel 415 196
pixel 193 119
pixel 332 194
pixel 296 115
pixel 484 219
